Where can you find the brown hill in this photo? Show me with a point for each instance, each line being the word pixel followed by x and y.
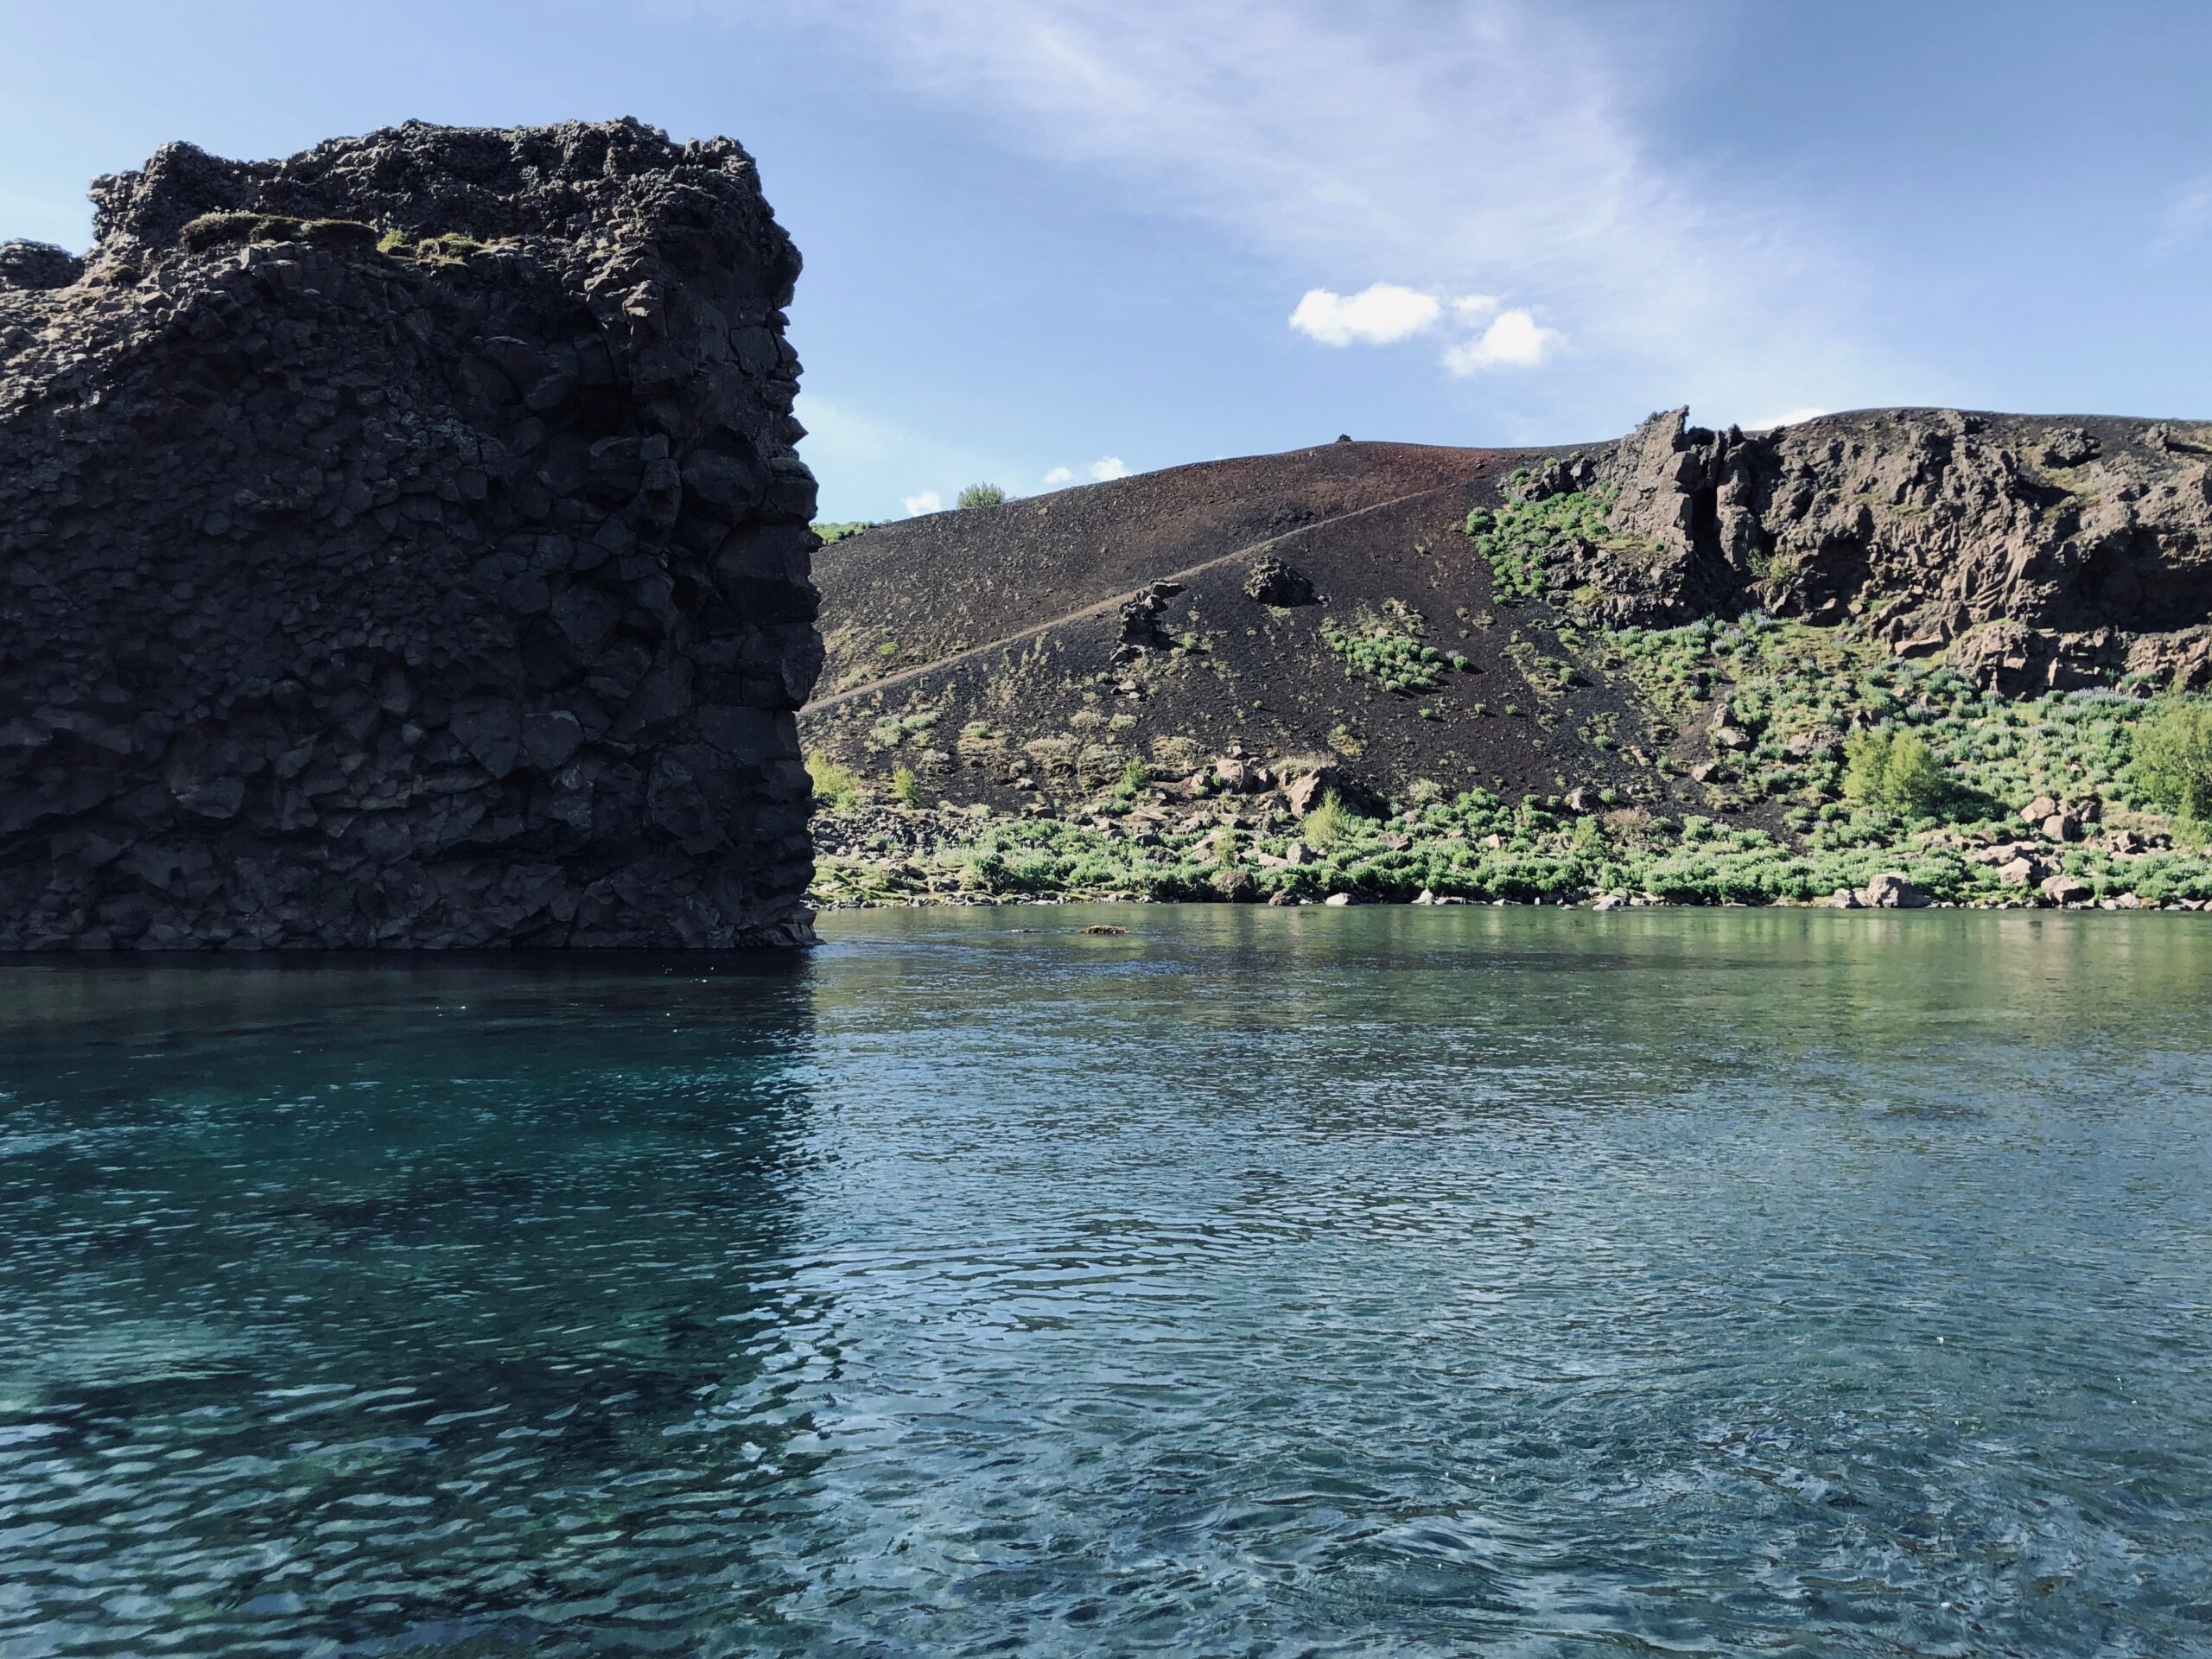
pixel 1029 683
pixel 1007 568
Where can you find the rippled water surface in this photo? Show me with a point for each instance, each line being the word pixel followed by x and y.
pixel 1319 1283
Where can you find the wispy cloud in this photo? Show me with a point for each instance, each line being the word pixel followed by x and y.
pixel 1108 467
pixel 1057 477
pixel 2187 217
pixel 1499 145
pixel 863 461
pixel 927 501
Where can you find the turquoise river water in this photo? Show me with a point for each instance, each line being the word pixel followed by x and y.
pixel 1513 1282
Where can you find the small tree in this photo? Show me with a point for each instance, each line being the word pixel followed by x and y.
pixel 982 495
pixel 2173 761
pixel 1892 769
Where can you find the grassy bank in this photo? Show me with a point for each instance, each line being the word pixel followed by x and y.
pixel 1816 762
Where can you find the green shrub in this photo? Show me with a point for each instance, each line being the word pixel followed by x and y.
pixel 2172 768
pixel 1135 776
pixel 982 495
pixel 837 532
pixel 906 787
pixel 1892 769
pixel 450 246
pixel 1387 649
pixel 835 786
pixel 1327 824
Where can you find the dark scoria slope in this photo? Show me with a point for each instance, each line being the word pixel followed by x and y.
pixel 913 592
pixel 1046 697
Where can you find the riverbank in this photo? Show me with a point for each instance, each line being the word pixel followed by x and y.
pixel 1478 849
pixel 1779 763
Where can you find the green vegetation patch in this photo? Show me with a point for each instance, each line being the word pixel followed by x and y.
pixel 1892 769
pixel 1861 764
pixel 215 230
pixel 1521 539
pixel 837 532
pixel 1388 649
pixel 889 731
pixel 836 786
pixel 2172 765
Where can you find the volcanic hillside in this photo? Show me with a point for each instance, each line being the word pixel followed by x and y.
pixel 988 649
pixel 1338 608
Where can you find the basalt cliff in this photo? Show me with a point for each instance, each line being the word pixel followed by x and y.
pixel 2030 553
pixel 403 545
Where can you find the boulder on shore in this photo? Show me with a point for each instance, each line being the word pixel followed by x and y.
pixel 1893 890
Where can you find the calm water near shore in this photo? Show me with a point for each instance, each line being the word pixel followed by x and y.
pixel 1370 1281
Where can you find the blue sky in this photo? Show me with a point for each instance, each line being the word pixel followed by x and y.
pixel 1047 240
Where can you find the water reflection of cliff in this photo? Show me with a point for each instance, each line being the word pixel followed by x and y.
pixel 439 1302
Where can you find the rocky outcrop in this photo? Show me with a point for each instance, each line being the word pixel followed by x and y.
pixel 402 545
pixel 2032 553
pixel 1273 582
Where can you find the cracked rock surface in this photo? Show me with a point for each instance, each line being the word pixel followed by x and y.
pixel 402 545
pixel 2032 553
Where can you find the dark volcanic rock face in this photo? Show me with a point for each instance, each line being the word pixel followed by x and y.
pixel 2032 553
pixel 402 545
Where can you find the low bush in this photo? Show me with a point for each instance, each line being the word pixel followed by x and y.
pixel 1519 538
pixel 1387 649
pixel 836 786
pixel 1892 769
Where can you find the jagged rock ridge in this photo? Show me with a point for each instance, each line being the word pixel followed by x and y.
pixel 403 545
pixel 2032 552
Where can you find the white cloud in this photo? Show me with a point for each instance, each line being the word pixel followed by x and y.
pixel 1377 316
pixel 1788 417
pixel 1515 340
pixel 1509 146
pixel 1108 467
pixel 927 501
pixel 1057 477
pixel 2187 217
